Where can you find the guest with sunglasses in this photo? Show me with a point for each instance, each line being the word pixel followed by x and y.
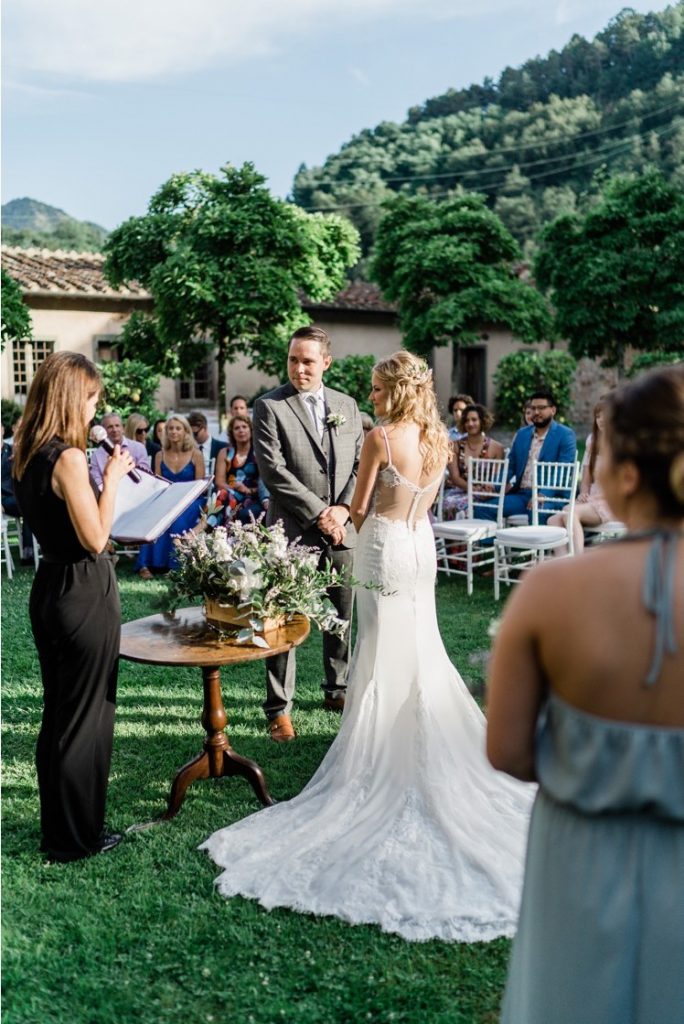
pixel 138 429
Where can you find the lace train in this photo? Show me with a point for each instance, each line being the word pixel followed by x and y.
pixel 405 824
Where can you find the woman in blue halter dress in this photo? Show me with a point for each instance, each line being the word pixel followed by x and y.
pixel 587 698
pixel 179 460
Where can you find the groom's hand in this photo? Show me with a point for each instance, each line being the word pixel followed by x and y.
pixel 329 523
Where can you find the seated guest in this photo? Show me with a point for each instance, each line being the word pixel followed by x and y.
pixel 475 444
pixel 585 697
pixel 178 460
pixel 158 432
pixel 456 405
pixel 367 423
pixel 527 414
pixel 138 429
pixel 591 508
pixel 111 421
pixel 543 441
pixel 240 488
pixel 208 446
pixel 10 505
pixel 238 406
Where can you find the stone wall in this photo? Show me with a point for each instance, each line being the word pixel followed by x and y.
pixel 590 382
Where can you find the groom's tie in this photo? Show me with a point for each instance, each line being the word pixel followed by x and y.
pixel 313 403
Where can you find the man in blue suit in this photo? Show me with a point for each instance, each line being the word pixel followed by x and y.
pixel 544 441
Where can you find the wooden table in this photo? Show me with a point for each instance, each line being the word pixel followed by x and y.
pixel 186 639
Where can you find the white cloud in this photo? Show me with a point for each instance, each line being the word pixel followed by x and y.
pixel 132 40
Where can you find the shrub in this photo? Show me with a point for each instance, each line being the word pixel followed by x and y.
pixel 522 372
pixel 129 386
pixel 352 375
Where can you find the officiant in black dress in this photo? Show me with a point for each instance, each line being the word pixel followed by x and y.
pixel 74 604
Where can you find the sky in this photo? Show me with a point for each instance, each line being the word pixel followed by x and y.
pixel 104 99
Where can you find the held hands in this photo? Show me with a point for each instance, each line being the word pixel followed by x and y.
pixel 118 465
pixel 583 497
pixel 331 523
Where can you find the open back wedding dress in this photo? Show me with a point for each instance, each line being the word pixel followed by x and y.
pixel 405 824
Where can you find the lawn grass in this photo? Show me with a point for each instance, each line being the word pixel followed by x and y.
pixel 139 934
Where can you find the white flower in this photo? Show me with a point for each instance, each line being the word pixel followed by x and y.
pixel 336 420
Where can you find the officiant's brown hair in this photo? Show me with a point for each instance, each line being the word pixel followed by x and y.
pixel 55 405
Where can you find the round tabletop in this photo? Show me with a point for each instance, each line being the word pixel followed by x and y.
pixel 186 638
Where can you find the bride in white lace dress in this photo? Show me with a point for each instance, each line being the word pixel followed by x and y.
pixel 405 824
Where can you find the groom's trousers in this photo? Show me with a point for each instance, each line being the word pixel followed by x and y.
pixel 281 668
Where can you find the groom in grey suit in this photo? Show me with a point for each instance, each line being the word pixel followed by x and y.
pixel 309 464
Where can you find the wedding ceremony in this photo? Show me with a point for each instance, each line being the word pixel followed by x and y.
pixel 342 554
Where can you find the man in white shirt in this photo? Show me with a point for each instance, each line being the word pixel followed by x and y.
pixel 115 432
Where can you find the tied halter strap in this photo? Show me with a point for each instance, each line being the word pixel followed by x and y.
pixel 657 592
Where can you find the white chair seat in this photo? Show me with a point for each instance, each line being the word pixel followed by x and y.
pixel 526 536
pixel 465 529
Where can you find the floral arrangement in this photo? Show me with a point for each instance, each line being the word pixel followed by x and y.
pixel 253 568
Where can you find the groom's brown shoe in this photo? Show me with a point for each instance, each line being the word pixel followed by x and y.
pixel 281 729
pixel 333 703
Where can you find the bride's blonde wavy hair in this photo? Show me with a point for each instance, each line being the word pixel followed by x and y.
pixel 411 396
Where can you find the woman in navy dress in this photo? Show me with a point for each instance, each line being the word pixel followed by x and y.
pixel 587 697
pixel 74 604
pixel 180 459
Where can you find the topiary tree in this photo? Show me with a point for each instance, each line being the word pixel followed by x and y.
pixel 522 372
pixel 227 264
pixel 450 267
pixel 615 276
pixel 129 386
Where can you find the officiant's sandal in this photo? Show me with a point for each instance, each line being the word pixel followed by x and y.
pixel 281 729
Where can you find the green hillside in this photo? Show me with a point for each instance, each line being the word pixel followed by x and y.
pixel 538 142
pixel 28 222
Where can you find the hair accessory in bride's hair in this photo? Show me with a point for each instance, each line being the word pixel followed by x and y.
pixel 418 373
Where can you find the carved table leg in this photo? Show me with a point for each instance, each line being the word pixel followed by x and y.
pixel 218 758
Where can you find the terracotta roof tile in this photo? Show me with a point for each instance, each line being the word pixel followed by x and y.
pixel 47 271
pixel 55 271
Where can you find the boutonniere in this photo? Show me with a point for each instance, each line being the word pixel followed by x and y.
pixel 336 420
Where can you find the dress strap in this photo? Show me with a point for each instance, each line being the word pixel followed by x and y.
pixel 387 445
pixel 658 592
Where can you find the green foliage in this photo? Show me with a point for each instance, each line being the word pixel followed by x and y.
pixel 10 413
pixel 175 950
pixel 450 268
pixel 16 318
pixel 531 142
pixel 129 386
pixel 352 375
pixel 522 372
pixel 649 360
pixel 615 276
pixel 226 263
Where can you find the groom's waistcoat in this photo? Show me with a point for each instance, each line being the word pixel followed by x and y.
pixel 303 472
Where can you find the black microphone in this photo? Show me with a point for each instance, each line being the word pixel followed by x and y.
pixel 98 435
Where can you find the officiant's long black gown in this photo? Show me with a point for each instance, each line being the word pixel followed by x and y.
pixel 76 622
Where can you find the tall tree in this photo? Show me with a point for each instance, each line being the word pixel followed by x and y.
pixel 226 264
pixel 450 268
pixel 16 319
pixel 616 275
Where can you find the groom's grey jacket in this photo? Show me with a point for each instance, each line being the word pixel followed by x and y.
pixel 303 474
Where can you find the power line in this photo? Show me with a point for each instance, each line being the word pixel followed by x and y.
pixel 599 155
pixel 513 149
